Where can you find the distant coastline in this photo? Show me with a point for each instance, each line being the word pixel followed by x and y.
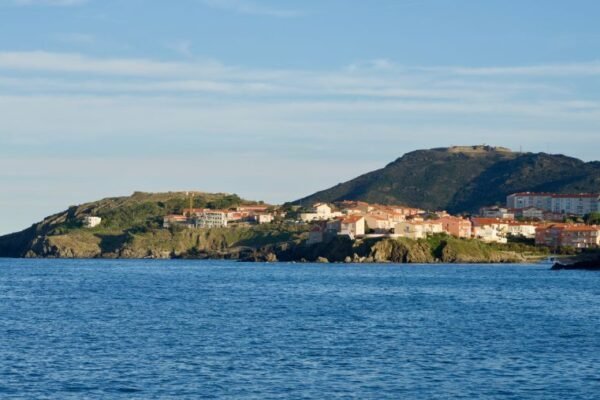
pixel 505 207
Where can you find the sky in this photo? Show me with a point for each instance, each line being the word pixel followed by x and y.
pixel 274 100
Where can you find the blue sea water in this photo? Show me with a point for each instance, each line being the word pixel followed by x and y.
pixel 204 329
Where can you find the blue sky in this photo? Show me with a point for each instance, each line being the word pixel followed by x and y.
pixel 274 100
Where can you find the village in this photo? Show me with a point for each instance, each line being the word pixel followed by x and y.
pixel 546 219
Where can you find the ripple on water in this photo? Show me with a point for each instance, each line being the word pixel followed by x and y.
pixel 190 329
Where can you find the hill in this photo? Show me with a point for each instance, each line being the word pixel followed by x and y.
pixel 131 227
pixel 464 178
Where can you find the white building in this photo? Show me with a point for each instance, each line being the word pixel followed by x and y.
pixel 264 218
pixel 521 229
pixel 379 223
pixel 211 219
pixel 418 229
pixel 319 212
pixel 576 204
pixel 91 222
pixel 489 234
pixel 496 212
pixel 532 213
pixel 490 230
pixel 542 201
pixel 351 225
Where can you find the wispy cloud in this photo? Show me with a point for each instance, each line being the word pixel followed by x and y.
pixel 251 7
pixel 546 70
pixel 78 63
pixel 62 96
pixel 69 120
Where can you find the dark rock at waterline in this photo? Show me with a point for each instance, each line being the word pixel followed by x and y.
pixel 591 265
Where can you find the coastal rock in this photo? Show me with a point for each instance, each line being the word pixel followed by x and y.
pixel 590 265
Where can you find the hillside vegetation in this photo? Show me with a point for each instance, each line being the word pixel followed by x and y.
pixel 131 227
pixel 462 179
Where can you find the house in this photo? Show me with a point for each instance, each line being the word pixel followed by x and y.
pixel 319 212
pixel 456 226
pixel 91 221
pixel 411 230
pixel 235 215
pixel 568 235
pixel 418 229
pixel 496 212
pixel 490 230
pixel 351 225
pixel 379 223
pixel 264 218
pixel 522 229
pixel 354 207
pixel 322 209
pixel 406 211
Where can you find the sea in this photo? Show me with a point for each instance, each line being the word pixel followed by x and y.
pixel 186 329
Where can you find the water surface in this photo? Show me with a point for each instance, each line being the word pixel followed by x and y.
pixel 205 329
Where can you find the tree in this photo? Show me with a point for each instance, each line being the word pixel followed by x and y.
pixel 593 218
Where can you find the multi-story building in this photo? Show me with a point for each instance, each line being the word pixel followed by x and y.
pixel 574 204
pixel 379 223
pixel 565 235
pixel 456 226
pixel 418 229
pixel 522 229
pixel 521 200
pixel 211 219
pixel 490 230
pixel 577 204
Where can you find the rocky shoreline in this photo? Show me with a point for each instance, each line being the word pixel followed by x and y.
pixel 589 263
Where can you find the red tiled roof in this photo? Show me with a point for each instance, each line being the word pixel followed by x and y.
pixel 351 219
pixel 487 221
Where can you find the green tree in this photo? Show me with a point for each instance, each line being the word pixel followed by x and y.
pixel 593 218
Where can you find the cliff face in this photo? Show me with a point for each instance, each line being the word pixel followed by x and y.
pixel 463 179
pixel 436 249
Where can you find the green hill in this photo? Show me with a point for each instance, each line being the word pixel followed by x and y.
pixel 464 178
pixel 131 227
